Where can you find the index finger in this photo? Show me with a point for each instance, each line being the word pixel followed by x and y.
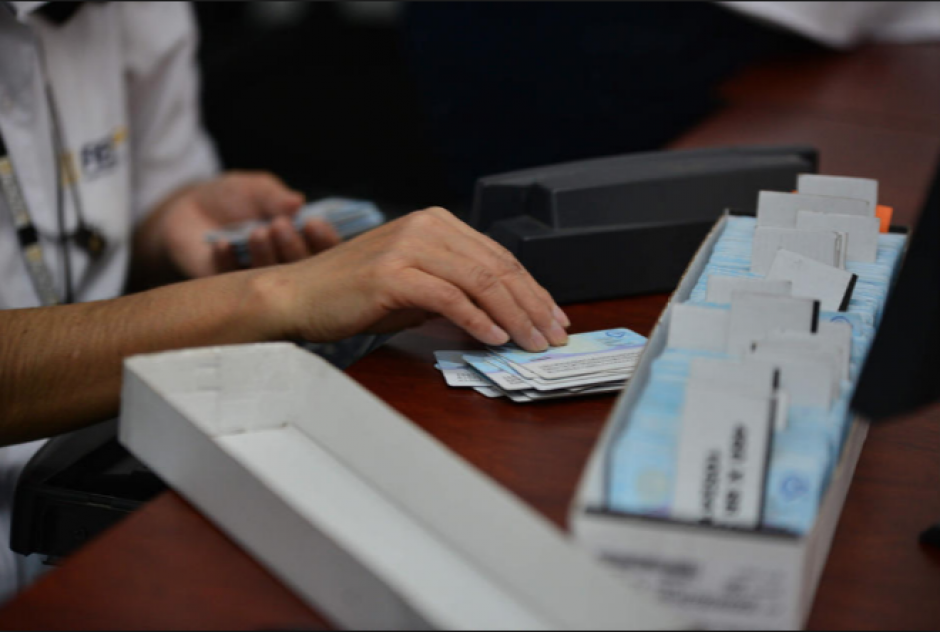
pixel 502 252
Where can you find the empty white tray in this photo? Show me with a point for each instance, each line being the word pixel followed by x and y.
pixel 368 518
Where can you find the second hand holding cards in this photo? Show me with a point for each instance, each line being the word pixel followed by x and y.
pixel 349 218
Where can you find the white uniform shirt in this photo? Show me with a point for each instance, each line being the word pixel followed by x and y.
pixel 124 78
pixel 846 24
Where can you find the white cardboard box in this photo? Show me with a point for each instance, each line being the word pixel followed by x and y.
pixel 718 577
pixel 360 512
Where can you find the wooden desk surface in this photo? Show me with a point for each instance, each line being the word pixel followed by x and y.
pixel 168 567
pixel 872 113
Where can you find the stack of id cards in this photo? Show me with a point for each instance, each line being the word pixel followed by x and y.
pixel 349 218
pixel 746 409
pixel 591 363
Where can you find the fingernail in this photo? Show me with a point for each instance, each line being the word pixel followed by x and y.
pixel 497 336
pixel 557 334
pixel 537 341
pixel 561 317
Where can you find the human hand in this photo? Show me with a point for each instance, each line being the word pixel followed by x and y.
pixel 396 275
pixel 237 197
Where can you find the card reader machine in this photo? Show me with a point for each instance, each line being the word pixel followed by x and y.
pixel 624 225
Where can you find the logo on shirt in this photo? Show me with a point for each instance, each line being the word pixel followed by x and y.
pixel 96 158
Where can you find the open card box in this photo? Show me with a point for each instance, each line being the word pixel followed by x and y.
pixel 360 512
pixel 718 577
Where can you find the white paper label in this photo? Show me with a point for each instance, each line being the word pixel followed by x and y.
pixel 745 377
pixel 828 284
pixel 697 327
pixel 831 339
pixel 719 288
pixel 780 209
pixel 753 316
pixel 808 378
pixel 862 243
pixel 823 246
pixel 837 186
pixel 722 457
pixel 749 377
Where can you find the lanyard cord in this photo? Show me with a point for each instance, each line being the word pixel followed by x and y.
pixel 60 218
pixel 58 154
pixel 70 180
pixel 88 238
pixel 85 236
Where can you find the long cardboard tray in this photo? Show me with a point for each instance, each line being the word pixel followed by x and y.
pixel 363 514
pixel 719 577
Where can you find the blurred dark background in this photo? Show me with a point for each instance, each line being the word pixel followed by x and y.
pixel 406 104
pixel 318 93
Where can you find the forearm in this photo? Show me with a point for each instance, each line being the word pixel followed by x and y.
pixel 60 367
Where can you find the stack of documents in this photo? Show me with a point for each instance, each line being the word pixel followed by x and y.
pixel 348 217
pixel 594 362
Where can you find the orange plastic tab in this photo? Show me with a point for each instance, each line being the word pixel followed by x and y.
pixel 884 213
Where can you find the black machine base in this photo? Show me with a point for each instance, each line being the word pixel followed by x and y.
pixel 75 487
pixel 625 225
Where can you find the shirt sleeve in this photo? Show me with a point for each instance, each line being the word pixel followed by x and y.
pixel 844 25
pixel 169 146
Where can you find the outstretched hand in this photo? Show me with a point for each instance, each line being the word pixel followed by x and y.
pixel 395 276
pixel 392 277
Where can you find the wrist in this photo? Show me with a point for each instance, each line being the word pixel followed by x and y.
pixel 270 302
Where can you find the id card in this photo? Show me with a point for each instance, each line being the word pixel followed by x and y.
pixel 611 350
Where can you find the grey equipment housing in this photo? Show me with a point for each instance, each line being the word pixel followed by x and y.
pixel 624 225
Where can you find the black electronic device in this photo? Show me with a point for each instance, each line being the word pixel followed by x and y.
pixel 75 487
pixel 624 225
